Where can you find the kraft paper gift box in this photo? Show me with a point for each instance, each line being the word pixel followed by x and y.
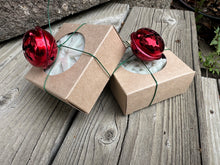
pixel 135 91
pixel 81 85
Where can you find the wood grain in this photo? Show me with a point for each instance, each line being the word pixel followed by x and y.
pixel 212 113
pixel 165 133
pixel 33 123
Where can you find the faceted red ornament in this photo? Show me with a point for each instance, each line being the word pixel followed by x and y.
pixel 147 44
pixel 39 47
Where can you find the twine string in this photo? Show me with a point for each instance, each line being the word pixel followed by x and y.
pixel 48 15
pixel 51 68
pixel 126 60
pixel 71 34
pixel 62 45
pixel 91 56
pixel 121 63
pixel 155 80
pixel 155 91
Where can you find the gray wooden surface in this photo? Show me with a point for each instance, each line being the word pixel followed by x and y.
pixel 212 113
pixel 36 128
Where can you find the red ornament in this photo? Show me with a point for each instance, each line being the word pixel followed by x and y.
pixel 147 44
pixel 39 47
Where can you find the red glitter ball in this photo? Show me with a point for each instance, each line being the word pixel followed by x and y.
pixel 39 47
pixel 147 44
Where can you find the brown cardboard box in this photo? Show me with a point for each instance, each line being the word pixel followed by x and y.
pixel 135 91
pixel 81 85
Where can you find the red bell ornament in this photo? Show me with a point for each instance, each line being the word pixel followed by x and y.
pixel 40 48
pixel 147 44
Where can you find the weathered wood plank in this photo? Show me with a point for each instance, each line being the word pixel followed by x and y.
pixel 33 124
pixel 212 113
pixel 165 133
pixel 110 13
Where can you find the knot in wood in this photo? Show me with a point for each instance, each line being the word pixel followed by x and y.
pixel 7 98
pixel 109 137
pixel 168 19
pixel 109 134
pixel 4 99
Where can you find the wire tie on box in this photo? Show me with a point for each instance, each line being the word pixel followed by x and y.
pixel 155 91
pixel 62 45
pixel 127 59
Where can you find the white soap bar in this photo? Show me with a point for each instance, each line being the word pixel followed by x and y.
pixel 135 65
pixel 67 57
